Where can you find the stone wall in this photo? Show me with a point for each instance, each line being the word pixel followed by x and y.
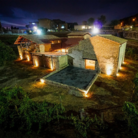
pixel 78 60
pixel 107 52
pixel 121 54
pixel 53 63
pixel 131 34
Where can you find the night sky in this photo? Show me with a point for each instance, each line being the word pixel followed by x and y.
pixel 20 12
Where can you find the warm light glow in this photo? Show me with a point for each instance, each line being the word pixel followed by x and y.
pixel 52 42
pixel 36 63
pixel 83 27
pixel 86 95
pixel 28 58
pixel 90 27
pixel 58 41
pixel 134 19
pixel 63 50
pixel 120 67
pixel 42 80
pixel 117 74
pixel 21 57
pixel 90 64
pixel 109 72
pixel 51 65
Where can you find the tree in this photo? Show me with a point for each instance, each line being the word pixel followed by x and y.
pixel 6 53
pixel 102 19
pixel 11 27
pixel 27 26
pixel 114 22
pixel 0 25
pixel 91 21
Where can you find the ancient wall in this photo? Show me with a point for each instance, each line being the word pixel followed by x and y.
pixel 78 60
pixel 87 36
pixel 55 46
pixel 62 61
pixel 131 34
pixel 50 62
pixel 107 54
pixel 20 52
pixel 37 60
pixel 121 54
pixel 76 36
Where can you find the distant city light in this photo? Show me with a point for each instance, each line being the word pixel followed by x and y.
pixel 62 26
pixel 95 30
pixel 35 28
pixel 39 32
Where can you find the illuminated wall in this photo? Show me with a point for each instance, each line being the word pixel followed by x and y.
pixel 121 56
pixel 21 55
pixel 107 53
pixel 50 62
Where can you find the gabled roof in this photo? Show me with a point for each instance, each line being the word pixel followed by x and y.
pixel 114 38
pixel 37 38
pixel 78 33
pixel 86 47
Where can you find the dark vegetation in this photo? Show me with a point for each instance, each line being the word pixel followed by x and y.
pixel 20 116
pixel 6 54
pixel 9 41
pixel 18 113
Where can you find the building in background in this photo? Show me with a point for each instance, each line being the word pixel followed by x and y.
pixel 71 26
pixel 46 23
pixel 82 27
pixel 130 21
pixel 53 25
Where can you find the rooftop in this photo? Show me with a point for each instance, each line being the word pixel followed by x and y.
pixel 78 33
pixel 53 54
pixel 113 38
pixel 73 76
pixel 37 38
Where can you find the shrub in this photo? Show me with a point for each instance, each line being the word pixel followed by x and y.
pixel 6 54
pixel 131 115
pixel 18 111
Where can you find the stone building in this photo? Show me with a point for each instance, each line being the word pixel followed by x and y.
pixel 106 52
pixel 103 53
pixel 78 68
pixel 47 51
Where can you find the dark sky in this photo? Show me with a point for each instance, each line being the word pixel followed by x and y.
pixel 20 12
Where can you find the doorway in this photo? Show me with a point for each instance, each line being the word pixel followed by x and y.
pixel 90 64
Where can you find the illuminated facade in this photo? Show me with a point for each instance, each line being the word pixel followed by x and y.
pixel 102 52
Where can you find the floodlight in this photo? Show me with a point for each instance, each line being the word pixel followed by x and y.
pixel 95 30
pixel 39 32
